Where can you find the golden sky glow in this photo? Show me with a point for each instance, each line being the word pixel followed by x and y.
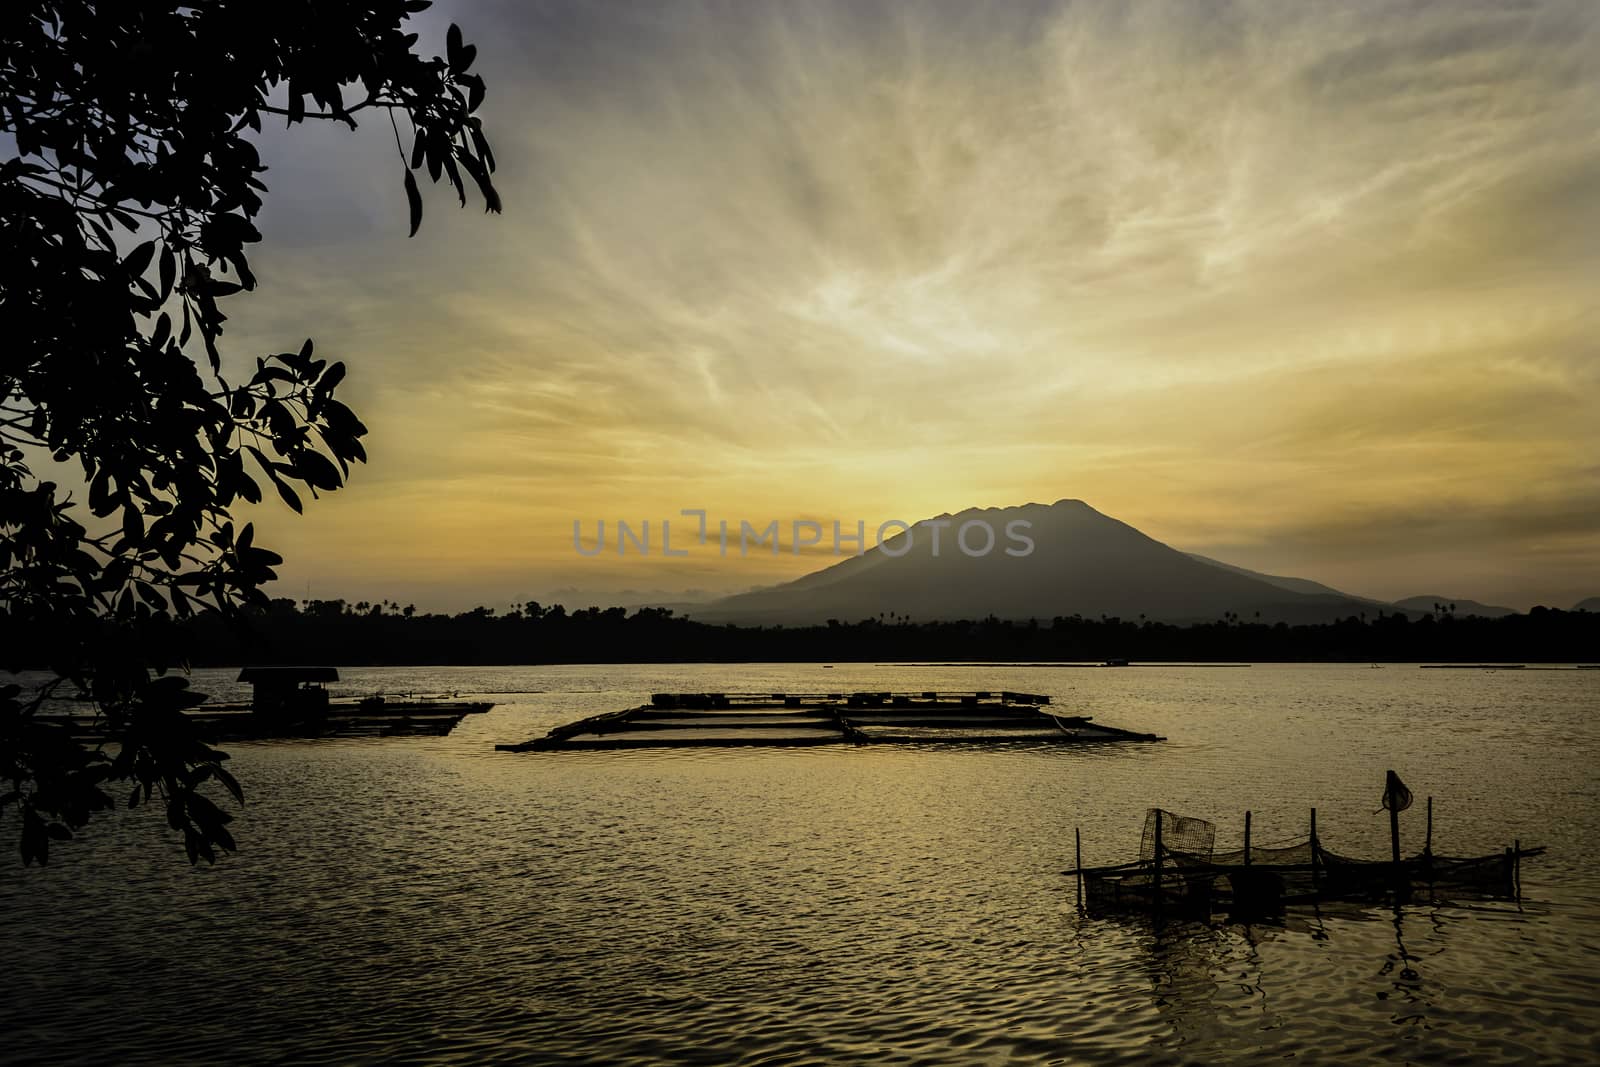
pixel 1310 288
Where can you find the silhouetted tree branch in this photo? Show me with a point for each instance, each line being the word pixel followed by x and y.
pixel 125 210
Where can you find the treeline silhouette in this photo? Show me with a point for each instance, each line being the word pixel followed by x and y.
pixel 341 634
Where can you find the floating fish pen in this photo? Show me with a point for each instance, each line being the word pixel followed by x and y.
pixel 725 720
pixel 369 717
pixel 1178 872
pixel 293 702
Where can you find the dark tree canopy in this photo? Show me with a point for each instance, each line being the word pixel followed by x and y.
pixel 128 182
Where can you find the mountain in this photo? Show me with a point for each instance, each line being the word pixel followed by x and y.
pixel 1294 585
pixel 1082 563
pixel 1414 606
pixel 1463 607
pixel 1592 604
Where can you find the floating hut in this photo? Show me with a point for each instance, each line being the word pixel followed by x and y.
pixel 295 692
pixel 294 702
pixel 711 720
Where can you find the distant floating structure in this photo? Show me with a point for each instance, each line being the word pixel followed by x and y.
pixel 730 720
pixel 1474 666
pixel 294 702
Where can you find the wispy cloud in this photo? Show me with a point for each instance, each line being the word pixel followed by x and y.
pixel 1233 272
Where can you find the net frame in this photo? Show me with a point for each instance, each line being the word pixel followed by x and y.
pixel 1193 838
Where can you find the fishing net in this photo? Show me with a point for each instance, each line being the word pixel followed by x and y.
pixel 1195 878
pixel 1396 797
pixel 1193 838
pixel 1298 853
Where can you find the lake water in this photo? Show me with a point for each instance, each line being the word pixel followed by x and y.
pixel 432 900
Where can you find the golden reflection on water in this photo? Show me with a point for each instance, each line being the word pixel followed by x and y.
pixel 431 898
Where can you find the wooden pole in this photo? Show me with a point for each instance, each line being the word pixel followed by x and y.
pixel 1077 848
pixel 1313 850
pixel 1247 839
pixel 1155 883
pixel 1392 803
pixel 1516 866
pixel 1427 844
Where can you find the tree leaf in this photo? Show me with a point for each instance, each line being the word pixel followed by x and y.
pixel 247 487
pixel 132 524
pixel 452 46
pixel 331 378
pixel 169 271
pixel 138 260
pixel 414 201
pixel 290 497
pixel 316 470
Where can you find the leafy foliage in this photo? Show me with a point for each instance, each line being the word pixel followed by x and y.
pixel 125 213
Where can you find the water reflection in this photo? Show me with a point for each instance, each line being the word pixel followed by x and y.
pixel 1186 966
pixel 431 899
pixel 1223 990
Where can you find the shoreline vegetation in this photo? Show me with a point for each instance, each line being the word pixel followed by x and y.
pixel 385 634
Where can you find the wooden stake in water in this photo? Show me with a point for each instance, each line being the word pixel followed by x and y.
pixel 1391 801
pixel 1155 884
pixel 1427 842
pixel 1247 839
pixel 1427 846
pixel 1313 850
pixel 1077 849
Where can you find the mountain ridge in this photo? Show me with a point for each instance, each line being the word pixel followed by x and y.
pixel 1082 562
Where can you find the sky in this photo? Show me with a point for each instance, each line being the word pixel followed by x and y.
pixel 1306 287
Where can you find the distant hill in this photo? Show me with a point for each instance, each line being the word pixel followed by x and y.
pixel 1463 607
pixel 1294 585
pixel 1414 606
pixel 1592 604
pixel 1083 563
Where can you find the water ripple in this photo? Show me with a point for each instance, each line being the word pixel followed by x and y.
pixel 428 900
